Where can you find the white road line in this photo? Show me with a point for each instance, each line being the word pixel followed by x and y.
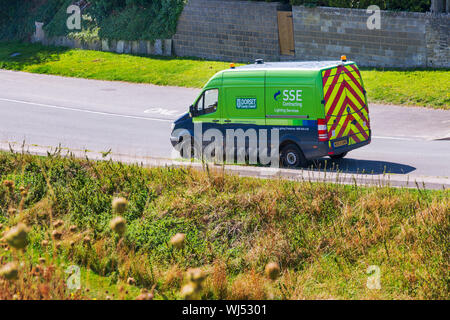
pixel 85 111
pixel 153 119
pixel 398 138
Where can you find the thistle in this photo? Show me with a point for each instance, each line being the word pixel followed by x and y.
pixel 118 225
pixel 58 223
pixel 145 295
pixel 193 288
pixel 23 191
pixel 9 184
pixel 56 235
pixel 119 205
pixel 87 240
pixel 9 271
pixel 196 276
pixel 17 236
pixel 272 270
pixel 177 241
pixel 189 292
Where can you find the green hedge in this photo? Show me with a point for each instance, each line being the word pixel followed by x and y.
pixel 17 17
pixel 111 19
pixel 136 19
pixel 393 5
pixel 14 19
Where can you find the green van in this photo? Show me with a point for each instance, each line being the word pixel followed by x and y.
pixel 318 108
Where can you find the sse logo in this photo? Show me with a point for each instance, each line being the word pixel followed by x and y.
pixel 275 96
pixel 291 98
pixel 289 95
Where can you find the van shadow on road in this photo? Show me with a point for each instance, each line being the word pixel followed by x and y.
pixel 361 166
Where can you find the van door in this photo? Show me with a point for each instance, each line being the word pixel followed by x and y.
pixel 360 122
pixel 345 106
pixel 243 114
pixel 208 109
pixel 244 98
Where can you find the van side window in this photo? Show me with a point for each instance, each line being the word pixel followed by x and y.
pixel 208 102
pixel 200 103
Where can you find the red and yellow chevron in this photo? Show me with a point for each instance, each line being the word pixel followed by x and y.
pixel 345 104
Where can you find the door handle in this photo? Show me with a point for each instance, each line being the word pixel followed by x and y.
pixel 215 121
pixel 227 121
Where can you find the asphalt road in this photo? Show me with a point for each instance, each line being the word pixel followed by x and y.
pixel 135 120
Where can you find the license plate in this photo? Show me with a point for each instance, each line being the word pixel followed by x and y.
pixel 340 143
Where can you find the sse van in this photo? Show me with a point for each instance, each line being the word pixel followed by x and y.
pixel 317 109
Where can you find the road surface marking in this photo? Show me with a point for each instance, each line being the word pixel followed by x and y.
pixel 155 119
pixel 85 111
pixel 162 111
pixel 398 138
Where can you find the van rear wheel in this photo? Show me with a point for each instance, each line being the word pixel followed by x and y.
pixel 292 157
pixel 338 156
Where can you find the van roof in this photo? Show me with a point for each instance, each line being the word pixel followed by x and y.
pixel 299 65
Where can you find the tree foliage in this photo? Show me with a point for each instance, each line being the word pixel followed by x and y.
pixel 113 19
pixel 136 19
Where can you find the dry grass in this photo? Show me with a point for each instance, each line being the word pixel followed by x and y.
pixel 323 237
pixel 218 279
pixel 249 286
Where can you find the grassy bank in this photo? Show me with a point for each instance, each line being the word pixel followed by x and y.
pixel 415 87
pixel 323 237
pixel 157 70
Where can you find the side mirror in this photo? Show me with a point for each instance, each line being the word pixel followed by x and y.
pixel 191 110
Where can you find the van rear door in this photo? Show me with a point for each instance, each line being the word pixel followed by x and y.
pixel 347 114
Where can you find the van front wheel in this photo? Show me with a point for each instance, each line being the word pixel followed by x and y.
pixel 188 147
pixel 292 157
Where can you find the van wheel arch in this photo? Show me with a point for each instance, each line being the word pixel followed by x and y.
pixel 188 139
pixel 291 148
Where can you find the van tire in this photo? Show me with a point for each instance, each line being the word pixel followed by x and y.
pixel 338 156
pixel 292 157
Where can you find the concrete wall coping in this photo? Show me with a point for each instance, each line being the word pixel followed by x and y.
pixel 363 12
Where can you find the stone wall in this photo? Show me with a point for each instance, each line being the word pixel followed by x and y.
pixel 158 47
pixel 405 39
pixel 228 30
pixel 437 35
pixel 245 30
pixel 242 31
